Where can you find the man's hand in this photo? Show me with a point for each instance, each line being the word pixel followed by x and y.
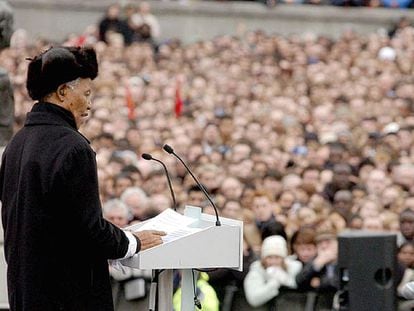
pixel 326 254
pixel 149 238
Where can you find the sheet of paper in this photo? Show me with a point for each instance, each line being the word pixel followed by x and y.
pixel 173 223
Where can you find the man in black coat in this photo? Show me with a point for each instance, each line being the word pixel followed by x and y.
pixel 56 241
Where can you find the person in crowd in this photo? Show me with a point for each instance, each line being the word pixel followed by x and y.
pixel 116 212
pixel 43 169
pixel 341 180
pixel 231 188
pixel 373 223
pixel 156 182
pixel 232 209
pixel 405 257
pixel 145 25
pixel 271 182
pixel 311 178
pixel 343 203
pixel 356 222
pixel 113 22
pixel 195 196
pixel 137 202
pixel 272 272
pixel 122 181
pixel 264 215
pixel 320 274
pixel 403 22
pixel 406 226
pixel 377 182
pixel 304 245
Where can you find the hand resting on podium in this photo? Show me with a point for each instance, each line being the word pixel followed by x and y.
pixel 149 238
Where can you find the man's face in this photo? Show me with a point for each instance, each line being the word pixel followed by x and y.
pixel 406 255
pixel 273 261
pixel 327 245
pixel 306 252
pixel 273 185
pixel 240 152
pixel 341 177
pixel 231 189
pixel 262 208
pixel 117 217
pixel 403 175
pixel 286 200
pixel 343 202
pixel 407 226
pixel 121 185
pixel 377 182
pixel 195 198
pixel 156 184
pixel 210 180
pixel 78 99
pixel 136 205
pixel 311 177
pixel 336 155
pixel 232 210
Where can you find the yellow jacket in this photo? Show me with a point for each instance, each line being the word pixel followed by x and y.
pixel 205 293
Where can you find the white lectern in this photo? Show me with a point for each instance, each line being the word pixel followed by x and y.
pixel 210 247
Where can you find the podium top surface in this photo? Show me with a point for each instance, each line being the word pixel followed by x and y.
pixel 365 234
pixel 203 244
pixel 209 246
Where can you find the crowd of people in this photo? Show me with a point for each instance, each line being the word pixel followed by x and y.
pixel 301 137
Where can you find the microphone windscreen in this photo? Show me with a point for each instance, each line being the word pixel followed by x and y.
pixel 168 149
pixel 146 156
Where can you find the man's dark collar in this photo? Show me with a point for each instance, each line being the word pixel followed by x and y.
pixel 47 113
pixel 44 113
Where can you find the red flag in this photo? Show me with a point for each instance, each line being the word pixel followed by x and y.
pixel 80 41
pixel 178 101
pixel 129 103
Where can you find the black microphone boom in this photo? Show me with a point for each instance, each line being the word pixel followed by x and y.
pixel 148 157
pixel 171 151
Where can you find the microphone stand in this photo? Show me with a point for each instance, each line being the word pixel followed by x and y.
pixel 148 157
pixel 153 296
pixel 170 150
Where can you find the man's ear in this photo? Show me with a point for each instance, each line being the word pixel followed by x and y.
pixel 61 92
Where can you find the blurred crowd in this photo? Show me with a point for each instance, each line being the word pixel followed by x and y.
pixel 301 137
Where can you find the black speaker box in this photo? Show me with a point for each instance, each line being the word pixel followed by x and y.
pixel 367 267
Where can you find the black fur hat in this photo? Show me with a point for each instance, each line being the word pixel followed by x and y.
pixel 59 65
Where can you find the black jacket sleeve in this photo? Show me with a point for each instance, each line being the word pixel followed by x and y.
pixel 82 205
pixel 305 276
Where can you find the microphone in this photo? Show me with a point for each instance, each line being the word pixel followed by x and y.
pixel 171 151
pixel 148 157
pixel 408 291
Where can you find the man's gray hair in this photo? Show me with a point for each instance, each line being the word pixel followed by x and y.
pixel 135 191
pixel 73 83
pixel 114 204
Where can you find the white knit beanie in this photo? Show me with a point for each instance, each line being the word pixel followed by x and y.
pixel 274 245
